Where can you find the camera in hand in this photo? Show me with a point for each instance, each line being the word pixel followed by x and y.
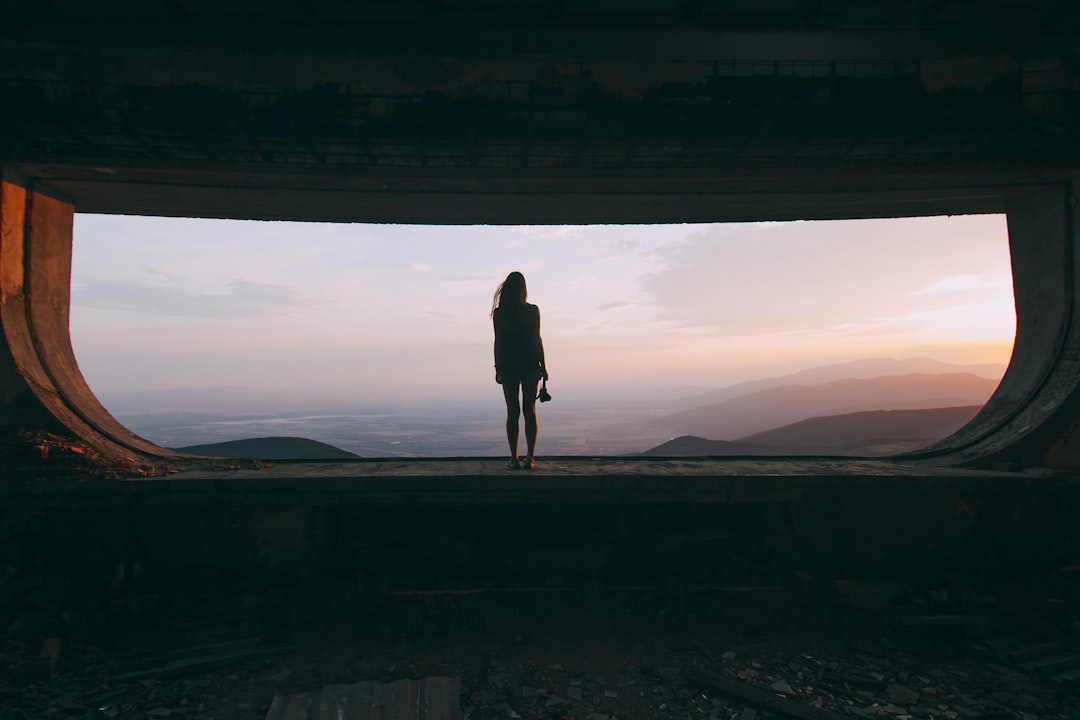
pixel 543 396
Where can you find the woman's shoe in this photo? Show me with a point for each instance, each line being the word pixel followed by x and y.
pixel 514 464
pixel 529 463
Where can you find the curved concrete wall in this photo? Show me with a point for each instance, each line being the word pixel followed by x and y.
pixel 41 386
pixel 1032 416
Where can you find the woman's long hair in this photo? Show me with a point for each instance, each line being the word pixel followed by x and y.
pixel 511 291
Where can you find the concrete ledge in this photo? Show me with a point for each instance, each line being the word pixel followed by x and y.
pixel 560 480
pixel 471 521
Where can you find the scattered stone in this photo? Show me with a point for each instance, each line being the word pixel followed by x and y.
pixel 782 686
pixel 748 714
pixel 892 710
pixel 554 701
pixel 729 655
pixel 528 692
pixel 902 694
pixel 610 694
pixel 597 716
pixel 555 666
pixel 70 701
pixel 670 674
pixel 574 692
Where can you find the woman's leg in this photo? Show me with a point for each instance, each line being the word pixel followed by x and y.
pixel 528 404
pixel 513 409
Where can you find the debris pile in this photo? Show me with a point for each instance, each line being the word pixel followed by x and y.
pixel 500 654
pixel 31 456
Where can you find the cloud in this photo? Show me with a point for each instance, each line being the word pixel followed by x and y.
pixel 245 299
pixel 993 318
pixel 547 231
pixel 468 278
pixel 964 283
pixel 582 281
pixel 615 305
pixel 887 326
pixel 158 272
pixel 415 267
pixel 758 279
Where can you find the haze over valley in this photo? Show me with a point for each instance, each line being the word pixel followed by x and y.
pixel 818 411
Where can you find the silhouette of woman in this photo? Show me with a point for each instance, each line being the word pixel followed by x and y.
pixel 519 361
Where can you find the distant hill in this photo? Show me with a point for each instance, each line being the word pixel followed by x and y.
pixel 271 448
pixel 872 432
pixel 860 430
pixel 745 415
pixel 690 445
pixel 853 370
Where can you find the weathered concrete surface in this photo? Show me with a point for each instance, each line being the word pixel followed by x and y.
pixel 553 112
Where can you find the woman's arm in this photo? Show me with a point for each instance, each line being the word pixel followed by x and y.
pixel 495 325
pixel 540 346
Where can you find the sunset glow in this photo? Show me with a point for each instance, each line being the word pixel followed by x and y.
pixel 402 311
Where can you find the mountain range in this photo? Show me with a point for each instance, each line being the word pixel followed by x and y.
pixel 850 370
pixel 867 433
pixel 773 407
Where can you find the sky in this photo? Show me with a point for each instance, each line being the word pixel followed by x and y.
pixel 400 311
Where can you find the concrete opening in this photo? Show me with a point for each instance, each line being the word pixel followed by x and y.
pixel 1028 421
pixel 375 338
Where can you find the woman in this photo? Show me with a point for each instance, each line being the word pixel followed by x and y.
pixel 519 361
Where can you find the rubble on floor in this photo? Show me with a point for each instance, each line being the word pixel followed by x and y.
pixel 795 650
pixel 434 698
pixel 37 457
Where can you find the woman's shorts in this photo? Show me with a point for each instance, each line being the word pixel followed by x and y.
pixel 526 378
